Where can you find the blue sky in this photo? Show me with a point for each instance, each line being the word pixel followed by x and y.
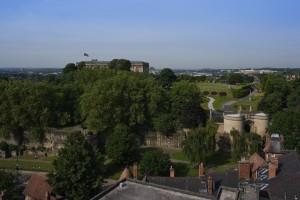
pixel 166 33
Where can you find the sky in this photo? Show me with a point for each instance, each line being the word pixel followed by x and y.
pixel 166 33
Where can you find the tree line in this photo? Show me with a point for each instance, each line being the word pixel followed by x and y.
pixel 282 101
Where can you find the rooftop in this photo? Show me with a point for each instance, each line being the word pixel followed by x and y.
pixel 135 190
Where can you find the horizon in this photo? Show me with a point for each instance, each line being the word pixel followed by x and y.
pixel 226 34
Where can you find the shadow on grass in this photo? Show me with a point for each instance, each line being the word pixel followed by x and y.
pixel 181 169
pixel 112 170
pixel 219 158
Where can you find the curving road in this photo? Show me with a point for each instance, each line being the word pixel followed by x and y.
pixel 210 104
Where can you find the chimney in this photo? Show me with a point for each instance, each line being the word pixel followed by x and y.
pixel 172 172
pixel 244 169
pixel 47 196
pixel 1 195
pixel 275 161
pixel 210 185
pixel 201 169
pixel 135 170
pixel 273 166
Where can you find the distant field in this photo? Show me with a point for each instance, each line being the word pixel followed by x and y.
pixel 220 100
pixel 217 87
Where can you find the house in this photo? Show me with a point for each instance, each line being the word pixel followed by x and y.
pixel 254 178
pixel 131 189
pixel 38 188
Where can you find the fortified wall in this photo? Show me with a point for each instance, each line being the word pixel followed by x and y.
pixel 257 122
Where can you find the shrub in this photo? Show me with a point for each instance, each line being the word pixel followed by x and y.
pixel 213 93
pixel 242 92
pixel 222 94
pixel 206 93
pixel 5 147
pixel 155 163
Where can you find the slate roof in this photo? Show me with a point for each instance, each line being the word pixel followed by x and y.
pixel 287 182
pixel 198 184
pixel 192 184
pixel 135 190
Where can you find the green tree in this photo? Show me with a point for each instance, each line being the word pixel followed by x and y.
pixel 234 78
pixel 70 67
pixel 120 64
pixel 287 123
pixel 238 147
pixel 28 105
pixel 167 77
pixel 81 65
pixel 272 103
pixel 78 169
pixel 200 143
pixel 254 143
pixel 164 123
pixel 126 98
pixel 155 163
pixel 294 98
pixel 8 185
pixel 122 146
pixel 185 104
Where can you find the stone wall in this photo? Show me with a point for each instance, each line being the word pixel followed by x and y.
pixel 155 139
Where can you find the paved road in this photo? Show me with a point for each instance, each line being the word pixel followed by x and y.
pixel 210 104
pixel 229 103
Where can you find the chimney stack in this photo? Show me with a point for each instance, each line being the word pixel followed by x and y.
pixel 172 172
pixel 201 169
pixel 135 170
pixel 210 185
pixel 273 166
pixel 47 196
pixel 244 169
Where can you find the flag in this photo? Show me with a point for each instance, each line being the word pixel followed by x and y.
pixel 85 54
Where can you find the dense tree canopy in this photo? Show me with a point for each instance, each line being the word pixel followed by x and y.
pixel 70 67
pixel 78 169
pixel 123 98
pixel 120 64
pixel 281 100
pixel 26 105
pixel 287 123
pixel 167 77
pixel 185 102
pixel 8 185
pixel 244 144
pixel 235 78
pixel 155 163
pixel 122 146
pixel 200 143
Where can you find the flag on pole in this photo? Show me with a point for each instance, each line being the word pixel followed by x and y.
pixel 86 54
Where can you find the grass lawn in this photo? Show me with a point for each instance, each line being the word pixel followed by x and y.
pixel 245 104
pixel 204 105
pixel 176 154
pixel 218 162
pixel 32 165
pixel 217 87
pixel 42 158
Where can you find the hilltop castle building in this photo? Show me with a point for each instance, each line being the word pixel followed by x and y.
pixel 136 66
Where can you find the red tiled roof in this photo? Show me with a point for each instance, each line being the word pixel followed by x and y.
pixel 257 161
pixel 37 187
